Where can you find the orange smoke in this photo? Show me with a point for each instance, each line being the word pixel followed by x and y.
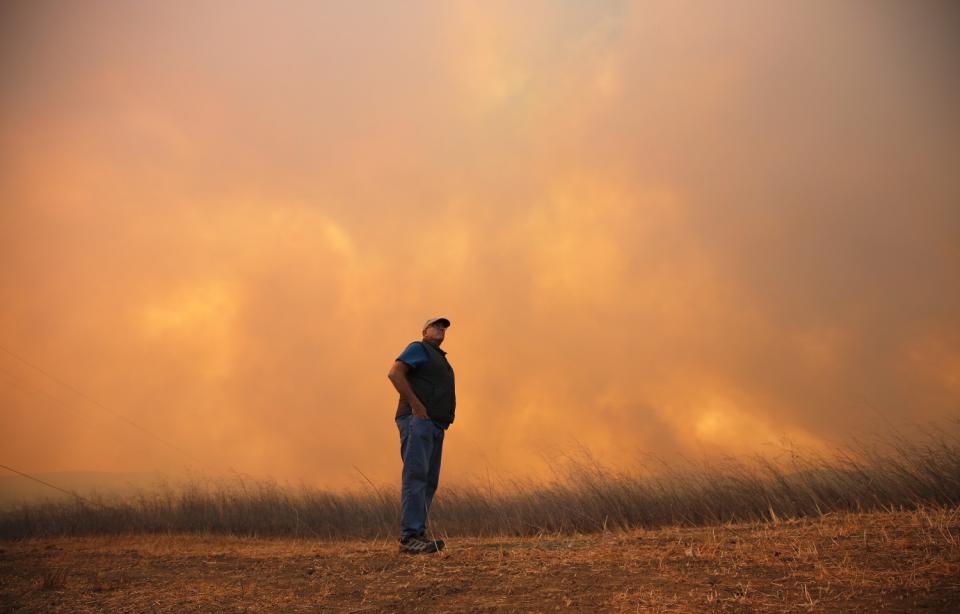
pixel 656 228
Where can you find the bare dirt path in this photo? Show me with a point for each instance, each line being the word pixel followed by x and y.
pixel 893 562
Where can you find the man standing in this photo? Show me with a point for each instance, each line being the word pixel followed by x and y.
pixel 424 379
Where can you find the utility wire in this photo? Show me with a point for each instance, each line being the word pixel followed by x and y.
pixel 103 407
pixel 48 484
pixel 93 422
pixel 29 389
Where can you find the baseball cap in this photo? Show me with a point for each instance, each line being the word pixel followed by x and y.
pixel 441 321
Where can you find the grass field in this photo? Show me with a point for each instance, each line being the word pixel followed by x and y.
pixel 868 528
pixel 890 561
pixel 584 496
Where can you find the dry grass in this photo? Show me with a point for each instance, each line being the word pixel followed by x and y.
pixel 900 561
pixel 53 579
pixel 884 475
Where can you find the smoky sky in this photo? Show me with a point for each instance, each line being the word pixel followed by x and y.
pixel 658 228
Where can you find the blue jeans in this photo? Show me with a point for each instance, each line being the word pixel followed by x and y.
pixel 421 446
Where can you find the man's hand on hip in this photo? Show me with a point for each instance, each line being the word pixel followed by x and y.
pixel 398 375
pixel 419 412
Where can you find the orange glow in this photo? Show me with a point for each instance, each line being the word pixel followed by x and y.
pixel 658 229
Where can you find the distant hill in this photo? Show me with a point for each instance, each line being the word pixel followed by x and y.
pixel 16 490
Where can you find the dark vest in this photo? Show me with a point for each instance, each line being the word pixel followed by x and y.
pixel 433 384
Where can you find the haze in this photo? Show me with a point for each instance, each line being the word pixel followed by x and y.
pixel 658 229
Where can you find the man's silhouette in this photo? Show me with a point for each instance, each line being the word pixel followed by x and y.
pixel 424 378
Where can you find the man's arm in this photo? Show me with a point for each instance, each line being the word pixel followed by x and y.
pixel 398 375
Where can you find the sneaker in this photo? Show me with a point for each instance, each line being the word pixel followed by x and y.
pixel 415 545
pixel 423 536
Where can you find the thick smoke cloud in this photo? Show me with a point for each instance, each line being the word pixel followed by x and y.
pixel 658 228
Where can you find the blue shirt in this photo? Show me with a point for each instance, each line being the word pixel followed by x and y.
pixel 415 355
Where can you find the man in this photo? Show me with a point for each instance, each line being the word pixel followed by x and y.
pixel 424 379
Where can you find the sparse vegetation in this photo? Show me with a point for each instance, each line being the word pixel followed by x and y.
pixel 890 474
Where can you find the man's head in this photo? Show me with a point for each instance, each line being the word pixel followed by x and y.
pixel 434 330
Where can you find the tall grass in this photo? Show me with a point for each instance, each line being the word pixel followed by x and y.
pixel 583 496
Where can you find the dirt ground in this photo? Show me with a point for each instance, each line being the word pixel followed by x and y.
pixel 893 562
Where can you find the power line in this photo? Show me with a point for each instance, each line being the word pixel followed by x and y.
pixel 28 389
pixel 103 407
pixel 48 484
pixel 95 423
